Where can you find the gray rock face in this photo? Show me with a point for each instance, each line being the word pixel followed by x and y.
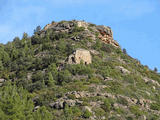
pixel 57 105
pixel 105 30
pixel 59 27
pixel 1 82
pixel 87 108
pixel 80 55
pixel 147 80
pixel 108 79
pixel 60 104
pixel 94 52
pixel 123 70
pixel 70 102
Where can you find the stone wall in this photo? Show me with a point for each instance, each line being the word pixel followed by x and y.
pixel 80 55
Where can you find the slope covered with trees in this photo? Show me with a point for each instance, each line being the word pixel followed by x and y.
pixel 39 83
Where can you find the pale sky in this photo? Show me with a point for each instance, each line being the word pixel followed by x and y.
pixel 135 23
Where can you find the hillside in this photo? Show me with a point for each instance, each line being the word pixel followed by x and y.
pixel 74 70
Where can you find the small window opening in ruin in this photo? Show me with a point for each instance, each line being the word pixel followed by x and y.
pixel 73 60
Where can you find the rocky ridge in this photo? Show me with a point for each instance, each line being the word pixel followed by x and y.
pixel 104 33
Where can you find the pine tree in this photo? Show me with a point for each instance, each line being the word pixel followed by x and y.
pixel 37 30
pixel 155 69
pixel 51 81
pixel 53 69
pixel 124 51
pixel 42 114
pixel 68 112
pixel 15 103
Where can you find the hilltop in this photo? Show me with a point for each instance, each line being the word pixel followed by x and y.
pixel 73 70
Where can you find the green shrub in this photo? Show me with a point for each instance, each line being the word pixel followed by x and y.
pixel 135 110
pixel 80 69
pixel 122 101
pixel 107 105
pixel 100 113
pixel 87 114
pixel 76 112
pixel 155 106
pixel 94 80
pixel 78 29
pixel 64 76
pixel 120 111
pixel 68 112
pixel 71 97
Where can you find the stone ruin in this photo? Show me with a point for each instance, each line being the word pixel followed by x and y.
pixel 80 55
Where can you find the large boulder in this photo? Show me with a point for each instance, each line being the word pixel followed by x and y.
pixel 123 70
pixel 80 55
pixel 1 82
pixel 58 104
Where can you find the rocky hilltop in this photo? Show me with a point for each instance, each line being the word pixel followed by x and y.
pixel 74 70
pixel 90 30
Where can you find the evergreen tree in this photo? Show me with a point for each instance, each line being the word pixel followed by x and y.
pixel 155 69
pixel 51 81
pixel 24 39
pixel 15 103
pixel 42 114
pixel 124 51
pixel 37 30
pixel 68 112
pixel 53 69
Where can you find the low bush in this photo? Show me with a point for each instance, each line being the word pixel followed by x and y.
pixel 87 114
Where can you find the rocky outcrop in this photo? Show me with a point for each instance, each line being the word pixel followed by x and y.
pixel 106 35
pixel 94 52
pixel 123 70
pixel 1 82
pixel 77 99
pixel 82 24
pixel 60 103
pixel 80 55
pixel 62 26
pixel 108 79
pixel 48 26
pixel 147 80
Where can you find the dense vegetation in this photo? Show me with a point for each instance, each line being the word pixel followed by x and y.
pixel 36 74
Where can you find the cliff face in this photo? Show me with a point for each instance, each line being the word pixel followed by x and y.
pixel 74 70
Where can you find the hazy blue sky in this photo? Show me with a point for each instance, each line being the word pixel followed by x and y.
pixel 135 23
